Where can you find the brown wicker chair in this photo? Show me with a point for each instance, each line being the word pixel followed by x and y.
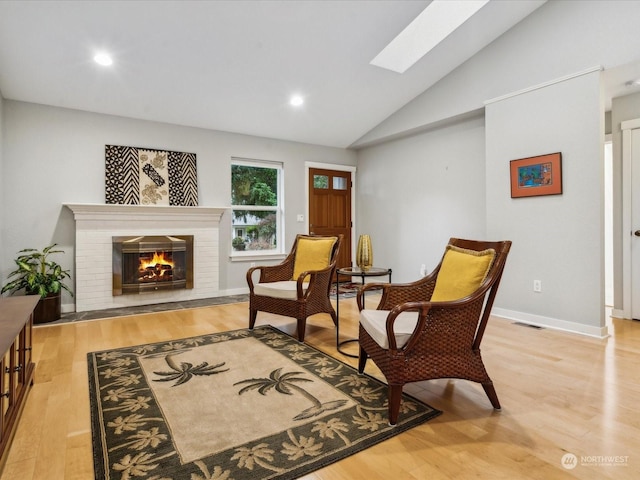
pixel 277 291
pixel 422 340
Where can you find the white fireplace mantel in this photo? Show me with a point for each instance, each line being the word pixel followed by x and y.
pixel 122 213
pixel 97 224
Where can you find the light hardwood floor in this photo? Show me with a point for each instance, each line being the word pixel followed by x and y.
pixel 561 393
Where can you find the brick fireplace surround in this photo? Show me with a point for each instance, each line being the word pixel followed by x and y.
pixel 96 224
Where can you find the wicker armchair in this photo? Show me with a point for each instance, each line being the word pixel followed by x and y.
pixel 298 287
pixel 411 338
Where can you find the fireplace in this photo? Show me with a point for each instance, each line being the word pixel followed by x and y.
pixel 151 263
pixel 97 224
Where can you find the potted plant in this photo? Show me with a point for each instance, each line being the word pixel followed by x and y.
pixel 238 243
pixel 38 275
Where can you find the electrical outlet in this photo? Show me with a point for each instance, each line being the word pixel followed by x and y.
pixel 423 270
pixel 537 285
pixel 253 264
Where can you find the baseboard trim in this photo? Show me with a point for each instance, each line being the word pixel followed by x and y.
pixel 620 314
pixel 553 323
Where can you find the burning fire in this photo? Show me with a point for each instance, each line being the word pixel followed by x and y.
pixel 155 268
pixel 158 258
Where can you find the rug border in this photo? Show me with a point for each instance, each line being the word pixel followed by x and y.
pixel 96 424
pixel 302 469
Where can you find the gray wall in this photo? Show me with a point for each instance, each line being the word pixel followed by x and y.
pixel 416 193
pixel 557 239
pixel 54 156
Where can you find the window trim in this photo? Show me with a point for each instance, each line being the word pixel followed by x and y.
pixel 278 252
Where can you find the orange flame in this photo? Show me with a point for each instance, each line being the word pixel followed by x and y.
pixel 158 258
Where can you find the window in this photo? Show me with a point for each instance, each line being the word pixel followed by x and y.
pixel 256 202
pixel 321 181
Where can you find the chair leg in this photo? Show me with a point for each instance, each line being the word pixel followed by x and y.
pixel 395 397
pixel 491 393
pixel 252 318
pixel 362 360
pixel 302 325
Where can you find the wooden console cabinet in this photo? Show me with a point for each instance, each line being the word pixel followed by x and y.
pixel 17 366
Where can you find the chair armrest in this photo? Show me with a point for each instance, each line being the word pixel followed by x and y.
pixel 318 279
pixel 440 313
pixel 250 275
pixel 422 308
pixel 365 288
pixel 394 294
pixel 270 273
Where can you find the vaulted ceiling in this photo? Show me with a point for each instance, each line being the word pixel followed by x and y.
pixel 232 65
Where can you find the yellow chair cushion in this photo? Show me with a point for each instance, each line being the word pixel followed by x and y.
pixel 461 273
pixel 312 254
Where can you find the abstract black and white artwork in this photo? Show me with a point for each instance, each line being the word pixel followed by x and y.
pixel 144 176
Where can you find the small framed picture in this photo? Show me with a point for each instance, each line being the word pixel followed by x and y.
pixel 533 176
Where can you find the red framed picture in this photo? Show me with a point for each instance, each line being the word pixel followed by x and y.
pixel 533 176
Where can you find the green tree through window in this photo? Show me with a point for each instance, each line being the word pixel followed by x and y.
pixel 255 203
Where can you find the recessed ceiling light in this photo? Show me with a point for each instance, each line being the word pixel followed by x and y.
pixel 296 100
pixel 432 26
pixel 103 59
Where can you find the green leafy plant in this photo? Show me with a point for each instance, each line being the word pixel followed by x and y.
pixel 238 243
pixel 36 274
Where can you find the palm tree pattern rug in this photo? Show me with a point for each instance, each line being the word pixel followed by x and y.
pixel 244 404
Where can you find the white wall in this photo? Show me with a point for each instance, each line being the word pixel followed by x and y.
pixel 417 192
pixel 556 239
pixel 53 156
pixel 560 38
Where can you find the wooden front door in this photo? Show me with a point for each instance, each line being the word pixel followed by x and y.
pixel 330 208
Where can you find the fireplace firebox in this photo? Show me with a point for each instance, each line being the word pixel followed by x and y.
pixel 152 263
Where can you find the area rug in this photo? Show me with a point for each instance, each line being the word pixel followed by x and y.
pixel 244 404
pixel 346 289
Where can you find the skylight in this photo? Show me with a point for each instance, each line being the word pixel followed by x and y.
pixel 432 26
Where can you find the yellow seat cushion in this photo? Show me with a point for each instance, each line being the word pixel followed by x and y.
pixel 312 254
pixel 461 273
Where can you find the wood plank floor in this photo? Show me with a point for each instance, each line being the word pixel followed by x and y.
pixel 561 394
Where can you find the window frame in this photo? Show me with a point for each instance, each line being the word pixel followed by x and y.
pixel 278 252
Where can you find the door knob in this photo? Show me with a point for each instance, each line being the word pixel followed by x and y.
pixel 637 233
